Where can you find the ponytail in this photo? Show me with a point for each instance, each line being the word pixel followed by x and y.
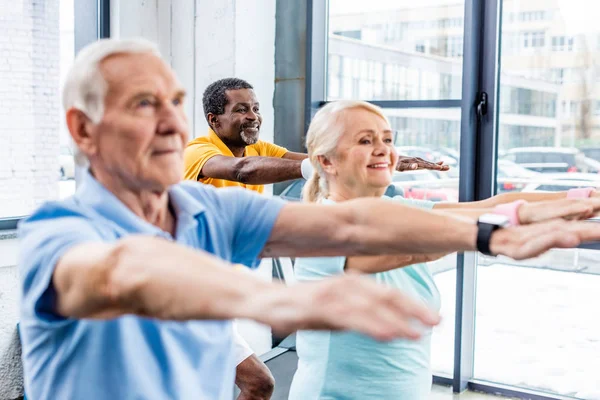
pixel 311 192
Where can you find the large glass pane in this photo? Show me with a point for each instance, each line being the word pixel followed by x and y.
pixel 434 135
pixel 36 49
pixel 395 49
pixel 536 324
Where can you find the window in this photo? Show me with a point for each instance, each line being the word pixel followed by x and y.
pixel 533 39
pixel 38 48
pixel 562 43
pixel 399 41
pixel 532 16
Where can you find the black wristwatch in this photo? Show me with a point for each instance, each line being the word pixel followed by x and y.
pixel 486 225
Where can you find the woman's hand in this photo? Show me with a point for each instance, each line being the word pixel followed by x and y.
pixel 569 209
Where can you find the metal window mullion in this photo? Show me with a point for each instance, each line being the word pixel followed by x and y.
pixel 477 163
pixel 317 38
pixel 92 21
pixel 103 19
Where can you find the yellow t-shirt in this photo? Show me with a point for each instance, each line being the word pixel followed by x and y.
pixel 200 150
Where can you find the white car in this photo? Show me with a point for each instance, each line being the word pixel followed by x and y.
pixel 559 185
pixel 571 176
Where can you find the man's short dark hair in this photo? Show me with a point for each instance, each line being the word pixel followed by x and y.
pixel 214 98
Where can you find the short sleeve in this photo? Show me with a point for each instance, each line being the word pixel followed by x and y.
pixel 195 156
pixel 252 219
pixel 44 238
pixel 428 205
pixel 241 348
pixel 272 150
pixel 317 268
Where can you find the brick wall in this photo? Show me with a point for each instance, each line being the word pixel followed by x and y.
pixel 29 104
pixel 29 146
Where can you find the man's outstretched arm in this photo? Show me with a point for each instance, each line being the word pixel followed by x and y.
pixel 375 226
pixel 290 155
pixel 252 170
pixel 153 277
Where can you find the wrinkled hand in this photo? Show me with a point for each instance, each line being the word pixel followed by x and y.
pixel 346 302
pixel 570 209
pixel 526 241
pixel 406 163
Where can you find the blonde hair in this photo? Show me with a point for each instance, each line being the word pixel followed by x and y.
pixel 324 133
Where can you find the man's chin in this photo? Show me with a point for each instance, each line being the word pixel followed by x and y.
pixel 249 139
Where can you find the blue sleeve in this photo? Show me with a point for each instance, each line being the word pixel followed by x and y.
pixel 44 238
pixel 252 218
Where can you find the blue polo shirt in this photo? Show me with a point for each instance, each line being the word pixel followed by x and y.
pixel 132 357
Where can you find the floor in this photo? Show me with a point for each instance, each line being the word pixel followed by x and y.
pixel 445 393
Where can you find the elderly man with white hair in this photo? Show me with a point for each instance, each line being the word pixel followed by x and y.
pixel 128 289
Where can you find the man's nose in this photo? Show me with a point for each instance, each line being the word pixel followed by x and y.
pixel 251 115
pixel 172 120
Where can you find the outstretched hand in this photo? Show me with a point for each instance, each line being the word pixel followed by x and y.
pixel 526 241
pixel 346 302
pixel 570 209
pixel 406 163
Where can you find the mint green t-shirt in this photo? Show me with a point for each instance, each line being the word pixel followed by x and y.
pixel 348 365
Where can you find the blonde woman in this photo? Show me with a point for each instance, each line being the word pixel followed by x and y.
pixel 350 145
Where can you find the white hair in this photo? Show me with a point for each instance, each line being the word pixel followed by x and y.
pixel 85 87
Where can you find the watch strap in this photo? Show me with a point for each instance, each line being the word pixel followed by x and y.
pixel 484 235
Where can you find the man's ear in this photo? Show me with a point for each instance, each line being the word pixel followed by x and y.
pixel 213 120
pixel 81 130
pixel 327 165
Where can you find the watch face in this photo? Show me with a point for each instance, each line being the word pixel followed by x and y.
pixel 494 219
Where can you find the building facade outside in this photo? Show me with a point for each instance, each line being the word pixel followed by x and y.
pixel 549 91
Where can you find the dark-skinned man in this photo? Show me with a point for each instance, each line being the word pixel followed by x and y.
pixel 232 154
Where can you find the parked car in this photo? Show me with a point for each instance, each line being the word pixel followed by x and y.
pixel 558 185
pixel 447 151
pixel 67 163
pixel 593 166
pixel 548 159
pixel 591 152
pixel 425 185
pixel 572 176
pixel 511 177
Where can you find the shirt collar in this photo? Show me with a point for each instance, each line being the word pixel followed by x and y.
pixel 216 140
pixel 219 143
pixel 93 194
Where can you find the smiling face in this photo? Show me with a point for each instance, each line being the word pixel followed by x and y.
pixel 239 125
pixel 139 142
pixel 365 158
